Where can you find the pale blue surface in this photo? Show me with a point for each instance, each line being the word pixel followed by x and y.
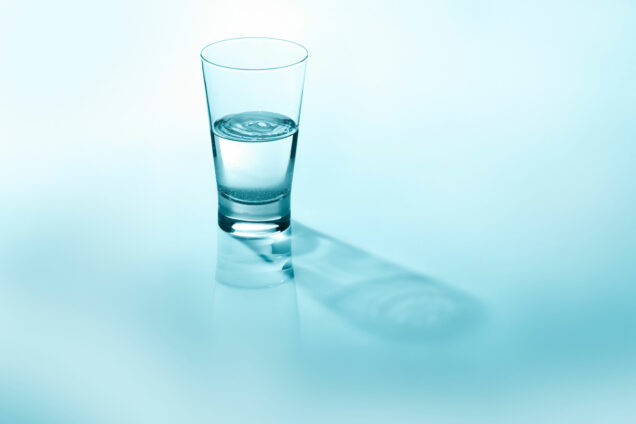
pixel 478 163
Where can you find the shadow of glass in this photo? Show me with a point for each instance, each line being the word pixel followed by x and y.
pixel 375 295
pixel 378 296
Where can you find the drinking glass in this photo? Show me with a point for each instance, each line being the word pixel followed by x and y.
pixel 254 89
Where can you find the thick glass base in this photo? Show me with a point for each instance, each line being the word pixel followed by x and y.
pixel 253 220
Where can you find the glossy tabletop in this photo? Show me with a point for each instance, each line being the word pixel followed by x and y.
pixel 463 240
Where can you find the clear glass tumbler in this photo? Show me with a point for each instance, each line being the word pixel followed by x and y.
pixel 254 90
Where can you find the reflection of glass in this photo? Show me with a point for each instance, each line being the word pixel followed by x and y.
pixel 255 314
pixel 254 91
pixel 253 262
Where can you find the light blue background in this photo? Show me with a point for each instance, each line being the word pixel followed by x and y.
pixel 488 145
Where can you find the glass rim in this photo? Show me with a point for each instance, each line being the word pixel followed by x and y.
pixel 235 68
